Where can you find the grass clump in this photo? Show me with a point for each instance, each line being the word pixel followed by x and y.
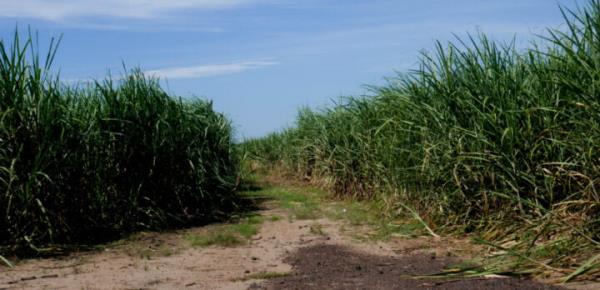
pixel 377 224
pixel 84 165
pixel 274 218
pixel 482 137
pixel 225 239
pixel 246 230
pixel 317 229
pixel 302 203
pixel 228 235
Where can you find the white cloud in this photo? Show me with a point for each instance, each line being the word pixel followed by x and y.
pixel 208 70
pixel 57 10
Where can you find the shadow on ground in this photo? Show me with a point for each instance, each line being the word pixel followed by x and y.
pixel 240 207
pixel 337 267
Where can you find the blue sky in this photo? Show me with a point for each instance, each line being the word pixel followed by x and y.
pixel 260 60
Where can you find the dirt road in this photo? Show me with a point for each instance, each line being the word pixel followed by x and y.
pixel 290 249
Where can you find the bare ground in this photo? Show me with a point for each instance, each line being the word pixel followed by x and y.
pixel 286 254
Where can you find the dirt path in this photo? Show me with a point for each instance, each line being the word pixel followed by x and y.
pixel 290 251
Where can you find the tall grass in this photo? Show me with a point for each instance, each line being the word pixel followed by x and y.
pixel 482 137
pixel 82 165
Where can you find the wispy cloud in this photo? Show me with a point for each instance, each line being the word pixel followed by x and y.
pixel 140 27
pixel 208 70
pixel 59 10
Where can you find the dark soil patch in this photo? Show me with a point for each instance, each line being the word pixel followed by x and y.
pixel 336 267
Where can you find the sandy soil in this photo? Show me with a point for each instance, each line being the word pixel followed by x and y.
pixel 286 247
pixel 167 261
